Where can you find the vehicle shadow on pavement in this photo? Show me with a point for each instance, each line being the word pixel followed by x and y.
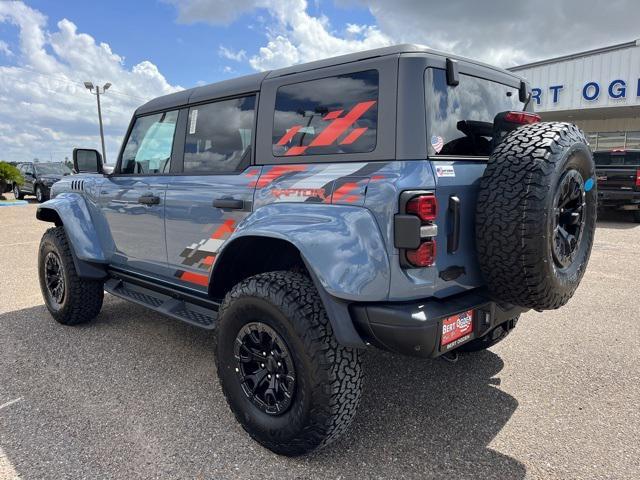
pixel 429 418
pixel 135 395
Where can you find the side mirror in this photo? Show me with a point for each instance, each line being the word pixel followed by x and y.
pixel 86 160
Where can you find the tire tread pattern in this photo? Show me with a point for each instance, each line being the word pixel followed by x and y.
pixel 84 297
pixel 337 372
pixel 512 214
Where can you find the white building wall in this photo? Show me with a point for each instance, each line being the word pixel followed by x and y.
pixel 574 73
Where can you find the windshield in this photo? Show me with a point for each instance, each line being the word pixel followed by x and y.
pixel 52 169
pixel 631 158
pixel 460 118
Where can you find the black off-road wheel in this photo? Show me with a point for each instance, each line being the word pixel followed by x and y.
pixel 536 215
pixel 40 196
pixel 290 385
pixel 70 299
pixel 17 193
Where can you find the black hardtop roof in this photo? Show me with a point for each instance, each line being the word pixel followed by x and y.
pixel 252 83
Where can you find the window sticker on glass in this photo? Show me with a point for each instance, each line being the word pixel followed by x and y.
pixel 194 121
pixel 437 143
pixel 219 136
pixel 460 118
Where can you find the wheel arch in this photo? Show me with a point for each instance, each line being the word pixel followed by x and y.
pixel 71 212
pixel 340 247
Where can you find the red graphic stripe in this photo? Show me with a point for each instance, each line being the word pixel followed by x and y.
pixel 333 115
pixel 353 136
pixel 208 261
pixel 286 138
pixel 197 278
pixel 296 150
pixel 343 190
pixel 340 125
pixel 276 172
pixel 227 227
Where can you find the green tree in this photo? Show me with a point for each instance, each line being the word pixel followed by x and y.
pixel 8 176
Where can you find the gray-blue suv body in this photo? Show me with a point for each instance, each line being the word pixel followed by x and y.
pixel 400 198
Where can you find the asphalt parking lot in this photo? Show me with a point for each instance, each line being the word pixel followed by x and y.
pixel 135 394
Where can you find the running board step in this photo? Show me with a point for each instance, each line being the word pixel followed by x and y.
pixel 160 302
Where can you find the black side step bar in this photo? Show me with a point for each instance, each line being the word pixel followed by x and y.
pixel 192 309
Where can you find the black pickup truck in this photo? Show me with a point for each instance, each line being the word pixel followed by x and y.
pixel 618 173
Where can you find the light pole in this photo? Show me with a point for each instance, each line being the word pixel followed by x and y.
pixel 90 87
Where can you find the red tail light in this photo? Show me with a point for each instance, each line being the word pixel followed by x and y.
pixel 638 178
pixel 523 118
pixel 424 206
pixel 424 255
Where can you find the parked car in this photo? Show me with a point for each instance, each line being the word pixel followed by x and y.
pixel 399 198
pixel 618 173
pixel 38 179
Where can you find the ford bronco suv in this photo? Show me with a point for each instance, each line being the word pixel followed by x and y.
pixel 399 198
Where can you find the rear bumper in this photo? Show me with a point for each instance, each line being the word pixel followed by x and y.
pixel 415 328
pixel 618 198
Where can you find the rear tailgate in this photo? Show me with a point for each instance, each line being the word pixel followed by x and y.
pixel 457 182
pixel 617 169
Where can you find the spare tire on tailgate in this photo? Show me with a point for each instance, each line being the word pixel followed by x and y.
pixel 536 215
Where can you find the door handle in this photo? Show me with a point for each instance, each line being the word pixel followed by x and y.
pixel 229 203
pixel 149 200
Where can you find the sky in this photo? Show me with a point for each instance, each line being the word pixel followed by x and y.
pixel 147 48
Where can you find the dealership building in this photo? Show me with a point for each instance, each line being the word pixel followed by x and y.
pixel 598 90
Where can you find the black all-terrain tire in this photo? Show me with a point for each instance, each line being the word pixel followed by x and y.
pixel 40 196
pixel 17 193
pixel 488 340
pixel 516 215
pixel 328 375
pixel 81 300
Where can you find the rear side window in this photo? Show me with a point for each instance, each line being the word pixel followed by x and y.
pixel 460 118
pixel 148 148
pixel 219 136
pixel 331 115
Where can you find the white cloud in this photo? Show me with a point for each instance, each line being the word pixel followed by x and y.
pixel 229 54
pixel 4 49
pixel 506 32
pixel 500 32
pixel 293 35
pixel 301 37
pixel 45 111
